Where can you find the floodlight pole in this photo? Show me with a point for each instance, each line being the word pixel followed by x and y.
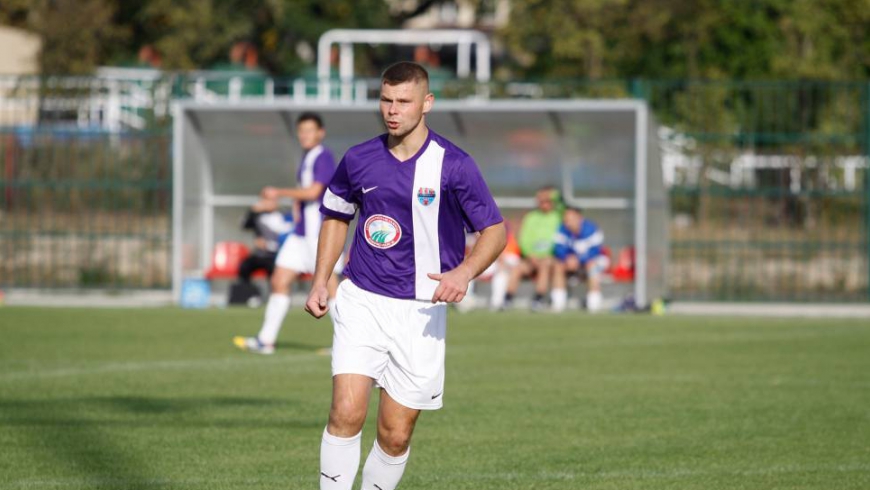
pixel 346 38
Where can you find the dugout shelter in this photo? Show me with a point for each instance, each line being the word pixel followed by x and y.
pixel 602 154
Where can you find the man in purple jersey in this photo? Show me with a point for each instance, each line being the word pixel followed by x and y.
pixel 416 193
pixel 298 252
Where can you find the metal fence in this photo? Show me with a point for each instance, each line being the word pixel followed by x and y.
pixel 85 210
pixel 769 182
pixel 771 196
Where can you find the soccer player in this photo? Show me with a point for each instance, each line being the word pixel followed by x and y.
pixel 498 274
pixel 536 245
pixel 298 252
pixel 415 193
pixel 578 248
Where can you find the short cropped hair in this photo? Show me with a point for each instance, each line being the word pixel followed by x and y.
pixel 405 71
pixel 555 194
pixel 310 116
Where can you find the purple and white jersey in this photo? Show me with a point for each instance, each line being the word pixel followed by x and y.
pixel 318 165
pixel 412 214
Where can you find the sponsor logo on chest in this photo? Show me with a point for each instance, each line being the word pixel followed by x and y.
pixel 382 231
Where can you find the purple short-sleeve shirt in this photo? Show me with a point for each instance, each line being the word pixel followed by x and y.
pixel 412 215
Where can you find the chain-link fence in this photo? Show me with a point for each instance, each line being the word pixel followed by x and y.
pixel 85 210
pixel 770 196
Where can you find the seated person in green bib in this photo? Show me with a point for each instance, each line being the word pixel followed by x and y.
pixel 536 240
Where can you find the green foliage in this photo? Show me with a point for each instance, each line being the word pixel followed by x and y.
pixel 304 21
pixel 192 33
pixel 76 34
pixel 597 39
pixel 819 39
pixel 14 12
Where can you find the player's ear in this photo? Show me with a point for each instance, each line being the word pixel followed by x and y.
pixel 428 101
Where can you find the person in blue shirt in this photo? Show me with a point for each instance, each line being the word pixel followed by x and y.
pixel 578 247
pixel 271 228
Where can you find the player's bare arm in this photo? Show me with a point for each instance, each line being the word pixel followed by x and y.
pixel 453 284
pixel 333 234
pixel 309 193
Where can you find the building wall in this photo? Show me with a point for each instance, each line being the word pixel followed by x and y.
pixel 20 53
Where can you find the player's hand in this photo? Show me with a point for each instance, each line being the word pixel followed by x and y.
pixel 269 192
pixel 452 285
pixel 317 304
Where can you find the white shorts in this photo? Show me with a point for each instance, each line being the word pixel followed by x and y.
pixel 397 342
pixel 299 254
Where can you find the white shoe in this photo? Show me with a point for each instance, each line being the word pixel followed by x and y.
pixel 253 344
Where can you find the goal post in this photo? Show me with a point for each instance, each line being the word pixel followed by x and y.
pixel 602 154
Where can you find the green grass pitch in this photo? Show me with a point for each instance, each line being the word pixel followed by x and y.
pixel 160 399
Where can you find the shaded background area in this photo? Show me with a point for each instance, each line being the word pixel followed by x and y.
pixel 764 108
pixel 767 182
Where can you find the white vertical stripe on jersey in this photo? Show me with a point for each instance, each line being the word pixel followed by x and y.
pixel 427 249
pixel 311 209
pixel 306 177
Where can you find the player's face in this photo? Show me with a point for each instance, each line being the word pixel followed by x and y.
pixel 403 106
pixel 573 220
pixel 309 134
pixel 545 201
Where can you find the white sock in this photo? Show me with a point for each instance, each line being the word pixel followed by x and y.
pixel 593 300
pixel 339 461
pixel 383 471
pixel 560 299
pixel 499 288
pixel 276 310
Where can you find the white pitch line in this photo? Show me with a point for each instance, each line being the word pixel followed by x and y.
pixel 115 367
pixel 170 482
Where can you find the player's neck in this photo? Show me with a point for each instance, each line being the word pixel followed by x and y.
pixel 407 146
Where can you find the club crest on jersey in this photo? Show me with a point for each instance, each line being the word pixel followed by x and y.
pixel 382 231
pixel 426 195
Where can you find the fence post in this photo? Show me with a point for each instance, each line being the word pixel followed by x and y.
pixel 867 180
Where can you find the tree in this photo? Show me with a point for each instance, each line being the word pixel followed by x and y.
pixel 75 34
pixel 819 39
pixel 192 34
pixel 14 13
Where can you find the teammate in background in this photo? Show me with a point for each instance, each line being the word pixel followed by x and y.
pixel 498 274
pixel 297 254
pixel 508 261
pixel 536 245
pixel 578 248
pixel 416 193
